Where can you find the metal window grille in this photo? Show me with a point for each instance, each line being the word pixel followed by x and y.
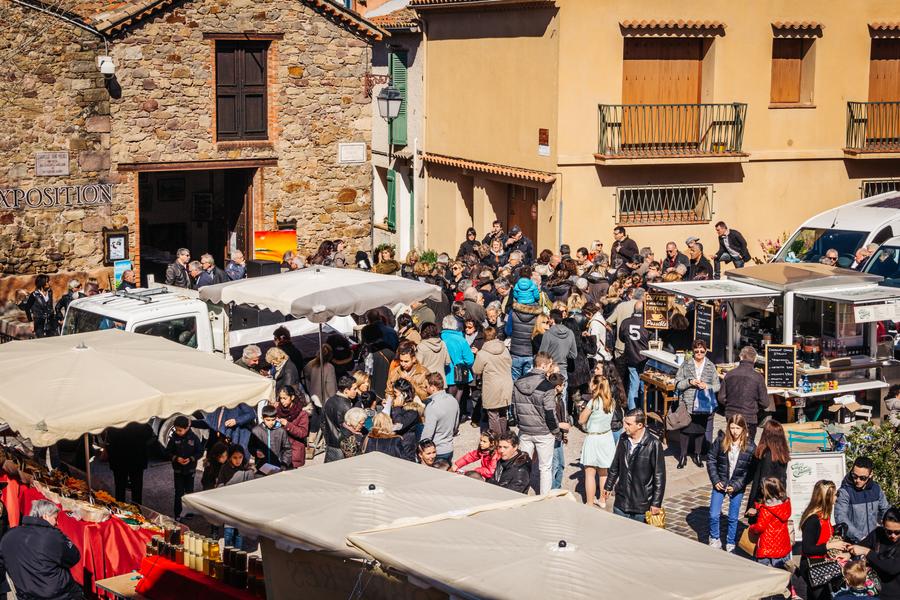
pixel 664 204
pixel 873 187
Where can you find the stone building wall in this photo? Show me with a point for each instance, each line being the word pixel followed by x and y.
pixel 316 99
pixel 52 98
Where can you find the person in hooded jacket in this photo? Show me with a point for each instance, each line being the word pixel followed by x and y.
pixel 406 413
pixel 460 354
pixel 269 443
pixel 729 466
pixel 559 342
pixel 470 245
pixel 431 352
pixel 519 327
pixel 513 470
pixel 295 421
pixel 773 545
pixel 534 398
pixel 493 365
pixel 860 502
pixel 232 424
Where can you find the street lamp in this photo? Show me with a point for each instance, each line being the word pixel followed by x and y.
pixel 389 102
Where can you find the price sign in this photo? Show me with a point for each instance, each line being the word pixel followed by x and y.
pixel 781 366
pixel 703 323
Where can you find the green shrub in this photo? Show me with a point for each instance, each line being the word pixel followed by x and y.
pixel 882 445
pixel 428 256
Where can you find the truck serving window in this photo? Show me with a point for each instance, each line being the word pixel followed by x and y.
pixel 886 263
pixel 809 244
pixel 82 321
pixel 182 330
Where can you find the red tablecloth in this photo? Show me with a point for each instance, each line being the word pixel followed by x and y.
pixel 166 580
pixel 107 549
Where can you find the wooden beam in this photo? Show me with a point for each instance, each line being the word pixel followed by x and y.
pixel 198 165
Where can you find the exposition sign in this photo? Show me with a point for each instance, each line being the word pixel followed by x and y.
pixel 92 194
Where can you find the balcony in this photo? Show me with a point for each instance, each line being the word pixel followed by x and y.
pixel 873 129
pixel 658 133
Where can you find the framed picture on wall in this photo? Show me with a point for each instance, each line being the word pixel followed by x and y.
pixel 115 245
pixel 170 189
pixel 202 206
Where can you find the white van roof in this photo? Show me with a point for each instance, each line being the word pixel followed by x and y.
pixel 139 304
pixel 868 214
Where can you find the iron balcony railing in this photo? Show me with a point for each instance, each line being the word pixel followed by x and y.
pixel 671 130
pixel 873 126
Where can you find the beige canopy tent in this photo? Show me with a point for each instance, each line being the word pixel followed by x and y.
pixel 63 387
pixel 555 547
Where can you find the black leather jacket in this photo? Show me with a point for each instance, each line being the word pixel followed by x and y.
pixel 513 474
pixel 639 478
pixel 40 310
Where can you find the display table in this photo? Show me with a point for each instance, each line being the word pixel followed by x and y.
pixel 121 587
pixel 109 548
pixel 165 580
pixel 664 391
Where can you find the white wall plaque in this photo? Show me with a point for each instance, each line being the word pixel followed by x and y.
pixel 350 153
pixel 51 164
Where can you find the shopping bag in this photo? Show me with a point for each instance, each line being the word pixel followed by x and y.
pixel 705 402
pixel 748 541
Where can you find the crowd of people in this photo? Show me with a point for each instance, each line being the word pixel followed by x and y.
pixel 525 347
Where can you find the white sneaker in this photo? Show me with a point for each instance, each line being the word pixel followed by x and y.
pixel 715 543
pixel 729 547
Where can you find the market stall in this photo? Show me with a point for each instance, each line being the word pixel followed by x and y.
pixel 67 387
pixel 303 518
pixel 825 317
pixel 556 547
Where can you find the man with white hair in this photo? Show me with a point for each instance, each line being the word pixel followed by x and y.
pixel 250 358
pixel 128 282
pixel 74 293
pixel 37 556
pixel 236 268
pixel 473 304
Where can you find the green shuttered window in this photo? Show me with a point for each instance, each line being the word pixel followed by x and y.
pixel 399 80
pixel 392 200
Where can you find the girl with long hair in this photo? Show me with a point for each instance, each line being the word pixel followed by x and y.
pixel 815 525
pixel 407 412
pixel 773 547
pixel 772 456
pixel 541 325
pixel 729 466
pixel 599 447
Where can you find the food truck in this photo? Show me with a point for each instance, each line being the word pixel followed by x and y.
pixel 815 328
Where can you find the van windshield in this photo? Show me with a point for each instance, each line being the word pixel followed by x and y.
pixel 809 244
pixel 82 321
pixel 886 263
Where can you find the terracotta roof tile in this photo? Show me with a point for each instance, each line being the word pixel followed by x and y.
pixel 436 3
pixel 797 25
pixel 490 168
pixel 404 18
pixel 672 24
pixel 885 26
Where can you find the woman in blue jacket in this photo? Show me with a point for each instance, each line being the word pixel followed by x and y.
pixel 729 466
pixel 460 354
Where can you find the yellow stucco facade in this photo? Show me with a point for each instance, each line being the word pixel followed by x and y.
pixel 498 73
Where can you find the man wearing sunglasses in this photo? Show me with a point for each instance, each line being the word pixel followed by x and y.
pixel 860 502
pixel 882 551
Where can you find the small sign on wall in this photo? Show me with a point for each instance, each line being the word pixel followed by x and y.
pixel 351 153
pixel 51 164
pixel 543 142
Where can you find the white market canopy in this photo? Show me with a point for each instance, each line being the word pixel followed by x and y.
pixel 63 387
pixel 318 506
pixel 854 295
pixel 320 293
pixel 513 552
pixel 715 289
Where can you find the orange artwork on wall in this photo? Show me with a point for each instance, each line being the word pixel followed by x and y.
pixel 271 245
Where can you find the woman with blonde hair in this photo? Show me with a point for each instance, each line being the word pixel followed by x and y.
pixel 599 447
pixel 729 465
pixel 284 372
pixel 815 525
pixel 541 325
pixel 382 438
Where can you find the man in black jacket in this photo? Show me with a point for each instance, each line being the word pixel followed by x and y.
pixel 882 551
pixel 635 339
pixel 37 556
pixel 638 470
pixel 744 391
pixel 518 241
pixel 513 470
pixel 39 308
pixel 699 268
pixel 176 273
pixel 334 410
pixel 623 250
pixel 732 248
pixel 128 449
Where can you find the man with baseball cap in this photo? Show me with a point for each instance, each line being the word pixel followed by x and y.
pixel 518 241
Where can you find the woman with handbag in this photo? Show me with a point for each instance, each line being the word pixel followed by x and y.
pixel 599 449
pixel 816 569
pixel 698 382
pixel 728 465
pixel 459 372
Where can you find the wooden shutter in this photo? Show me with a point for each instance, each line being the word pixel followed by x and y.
pixel 787 60
pixel 392 200
pixel 241 102
pixel 399 81
pixel 884 70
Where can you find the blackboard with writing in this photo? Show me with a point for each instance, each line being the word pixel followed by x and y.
pixel 656 310
pixel 703 323
pixel 781 366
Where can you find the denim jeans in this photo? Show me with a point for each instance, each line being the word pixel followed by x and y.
pixel 448 457
pixel 521 365
pixel 777 563
pixel 634 386
pixel 543 445
pixel 559 465
pixel 633 516
pixel 727 258
pixel 716 500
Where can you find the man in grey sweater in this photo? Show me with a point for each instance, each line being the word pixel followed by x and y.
pixel 535 400
pixel 559 343
pixel 441 417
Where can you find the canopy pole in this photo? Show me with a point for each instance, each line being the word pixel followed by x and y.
pixel 321 369
pixel 87 462
pixel 787 320
pixel 729 323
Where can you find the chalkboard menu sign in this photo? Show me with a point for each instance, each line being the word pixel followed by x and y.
pixel 703 323
pixel 656 310
pixel 781 366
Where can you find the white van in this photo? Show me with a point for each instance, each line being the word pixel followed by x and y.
pixel 847 228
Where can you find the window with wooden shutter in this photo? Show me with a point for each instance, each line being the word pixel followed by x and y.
pixel 392 200
pixel 399 81
pixel 241 101
pixel 792 70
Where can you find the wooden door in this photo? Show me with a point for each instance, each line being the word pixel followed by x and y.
pixel 239 211
pixel 884 86
pixel 522 210
pixel 661 71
